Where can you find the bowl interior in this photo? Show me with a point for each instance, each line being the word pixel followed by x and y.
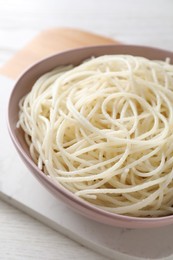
pixel 24 85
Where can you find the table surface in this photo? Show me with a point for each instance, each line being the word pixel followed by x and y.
pixel 142 22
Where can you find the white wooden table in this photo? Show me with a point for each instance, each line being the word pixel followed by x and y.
pixel 142 22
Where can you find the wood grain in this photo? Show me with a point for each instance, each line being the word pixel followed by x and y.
pixel 47 43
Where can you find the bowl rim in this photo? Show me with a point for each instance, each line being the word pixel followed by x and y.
pixel 149 221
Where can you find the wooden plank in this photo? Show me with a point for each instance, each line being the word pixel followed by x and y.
pixel 47 43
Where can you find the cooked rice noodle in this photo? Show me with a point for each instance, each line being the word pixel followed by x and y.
pixel 104 130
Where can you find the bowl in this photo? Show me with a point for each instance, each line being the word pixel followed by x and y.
pixel 23 86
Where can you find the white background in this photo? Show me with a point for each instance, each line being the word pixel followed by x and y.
pixel 143 22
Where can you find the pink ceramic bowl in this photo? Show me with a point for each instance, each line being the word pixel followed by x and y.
pixel 23 86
